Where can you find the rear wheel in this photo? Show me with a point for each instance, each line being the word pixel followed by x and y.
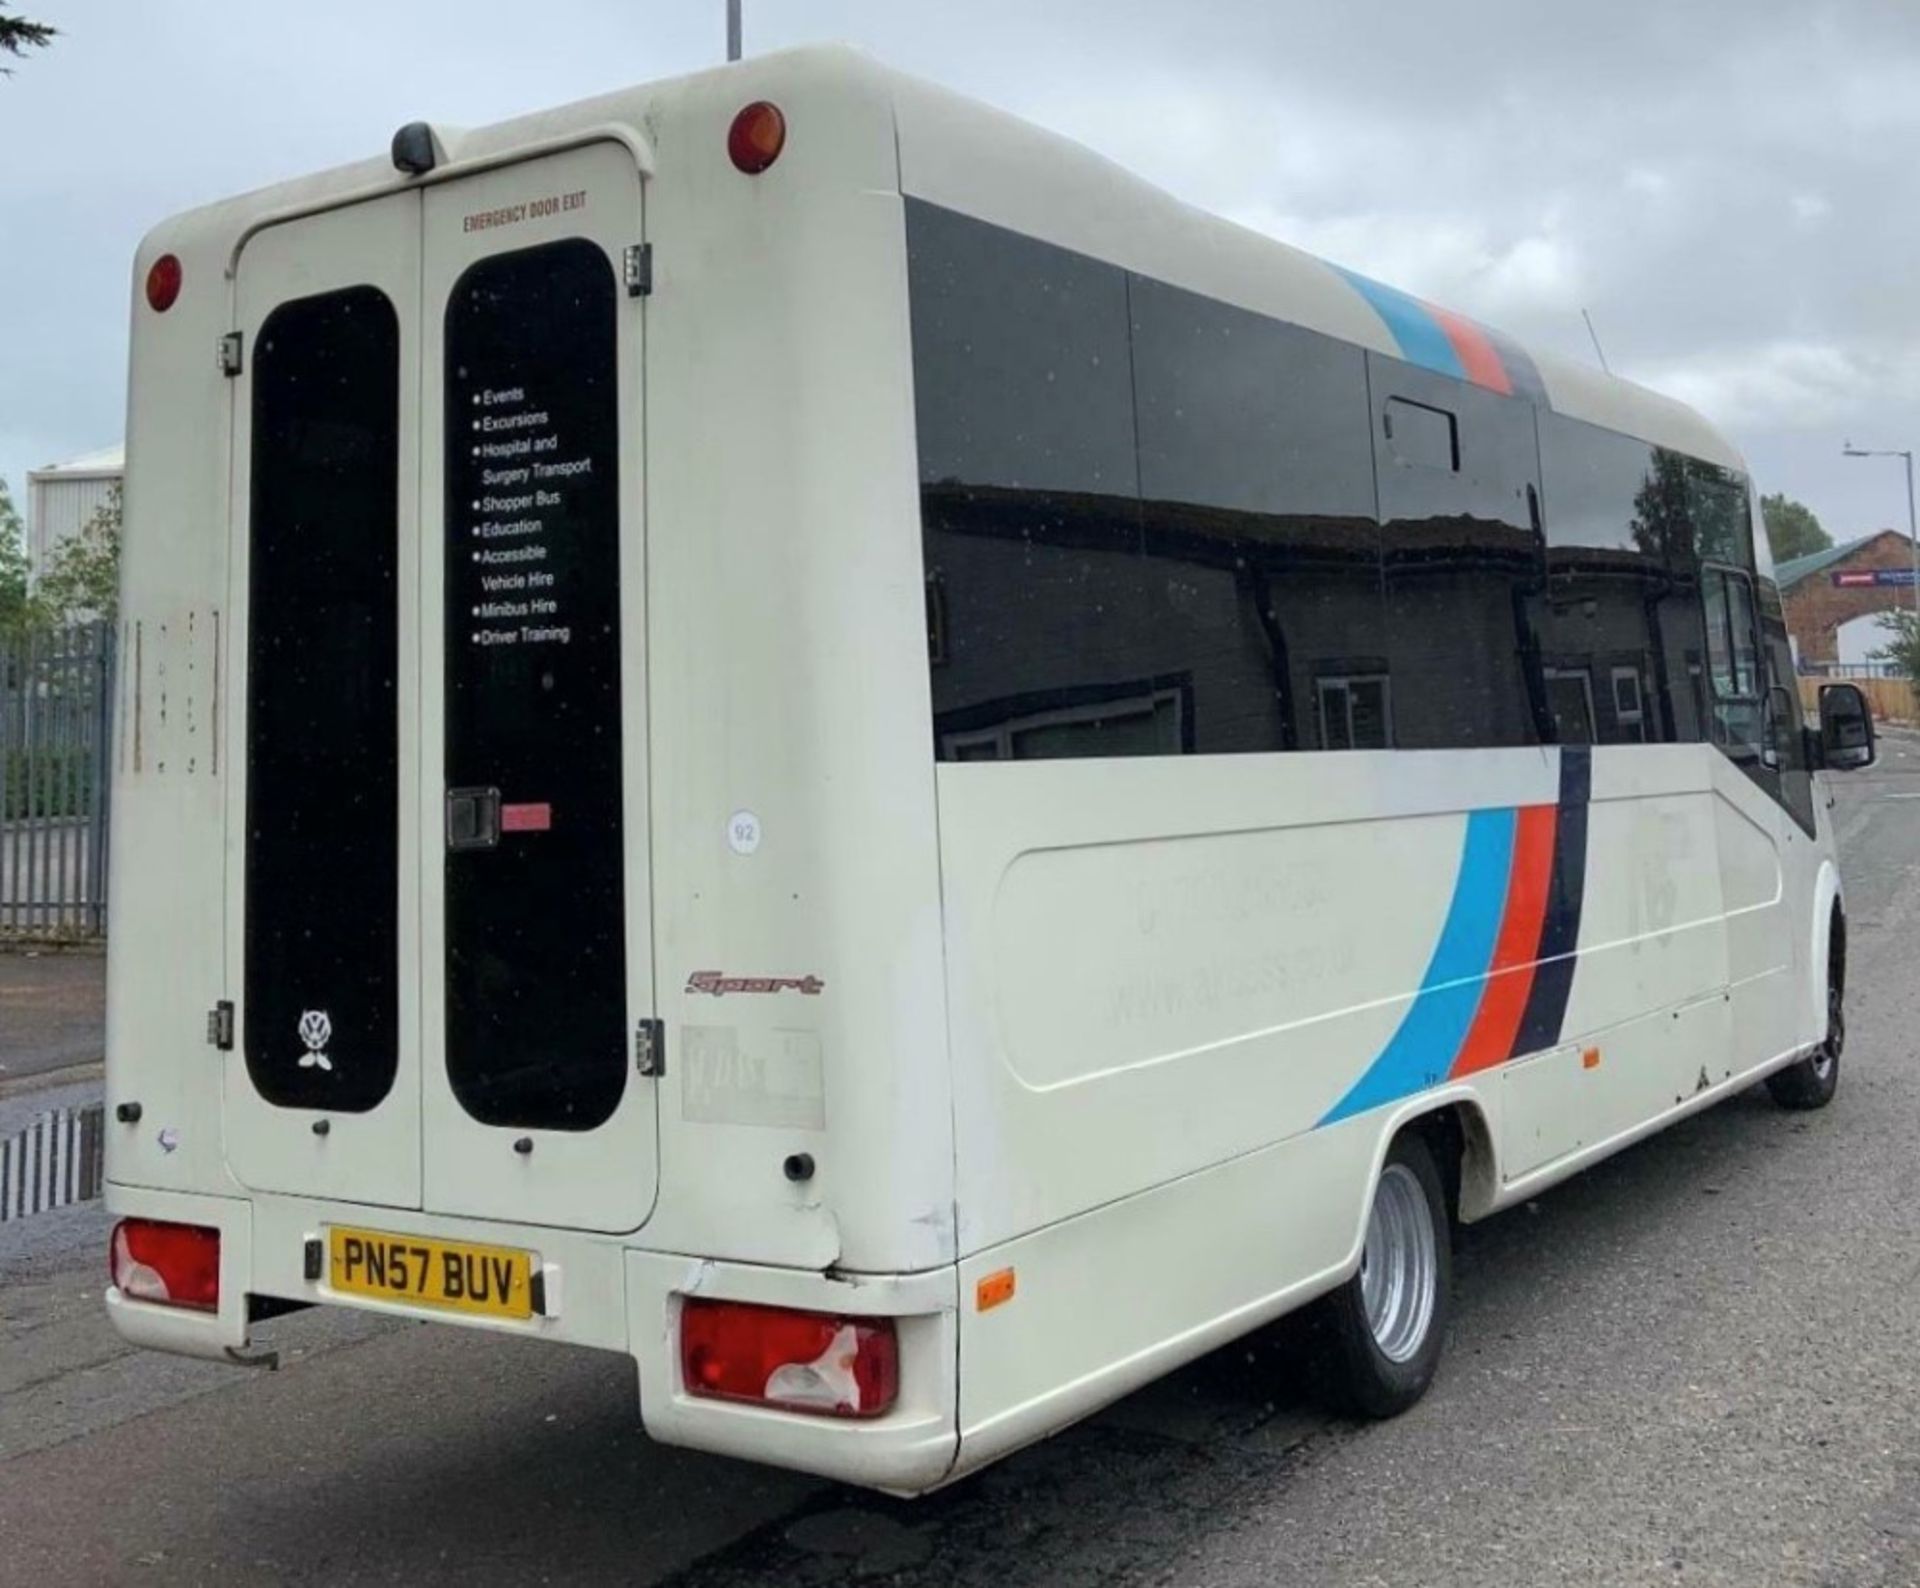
pixel 1386 1326
pixel 1812 1082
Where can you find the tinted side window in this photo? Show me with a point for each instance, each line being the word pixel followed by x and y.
pixel 1786 743
pixel 1048 642
pixel 1020 353
pixel 322 730
pixel 1159 524
pixel 1622 596
pixel 1258 518
pixel 1733 668
pixel 1721 512
pixel 1461 555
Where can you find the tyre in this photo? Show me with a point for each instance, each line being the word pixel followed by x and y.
pixel 1383 1330
pixel 1812 1082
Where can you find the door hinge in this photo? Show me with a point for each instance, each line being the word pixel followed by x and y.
pixel 650 1047
pixel 229 354
pixel 638 268
pixel 220 1025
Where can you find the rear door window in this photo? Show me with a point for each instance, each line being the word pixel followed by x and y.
pixel 321 923
pixel 535 896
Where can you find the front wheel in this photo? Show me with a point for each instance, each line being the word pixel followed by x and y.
pixel 1386 1326
pixel 1812 1082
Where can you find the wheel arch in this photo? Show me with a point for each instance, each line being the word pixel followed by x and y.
pixel 1829 955
pixel 1460 1136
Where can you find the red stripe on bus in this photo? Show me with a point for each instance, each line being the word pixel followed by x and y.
pixel 1477 355
pixel 1503 1001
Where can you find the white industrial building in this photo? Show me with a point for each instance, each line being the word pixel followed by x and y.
pixel 63 497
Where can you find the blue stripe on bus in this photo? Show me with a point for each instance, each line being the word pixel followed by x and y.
pixel 1421 1050
pixel 1421 339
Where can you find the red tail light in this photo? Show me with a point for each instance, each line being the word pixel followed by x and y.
pixel 177 1265
pixel 798 1361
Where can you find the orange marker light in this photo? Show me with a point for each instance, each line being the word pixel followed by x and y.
pixel 993 1291
pixel 1589 1058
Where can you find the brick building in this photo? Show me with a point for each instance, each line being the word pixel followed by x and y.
pixel 1834 599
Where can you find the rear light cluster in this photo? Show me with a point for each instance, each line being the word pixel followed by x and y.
pixel 176 1265
pixel 796 1361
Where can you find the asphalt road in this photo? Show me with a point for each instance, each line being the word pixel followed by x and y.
pixel 1698 1363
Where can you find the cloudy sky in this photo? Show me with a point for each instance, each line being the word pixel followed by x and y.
pixel 1731 187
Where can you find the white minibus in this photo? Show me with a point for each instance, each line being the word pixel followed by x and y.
pixel 782 725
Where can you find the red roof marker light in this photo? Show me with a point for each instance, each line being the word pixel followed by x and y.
pixel 163 283
pixel 757 136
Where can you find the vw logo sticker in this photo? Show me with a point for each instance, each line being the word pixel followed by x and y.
pixel 316 1031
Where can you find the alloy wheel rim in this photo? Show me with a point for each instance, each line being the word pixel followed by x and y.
pixel 1399 1265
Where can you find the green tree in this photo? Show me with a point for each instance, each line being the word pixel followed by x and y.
pixel 1902 649
pixel 18 35
pixel 82 577
pixel 1792 528
pixel 16 604
pixel 1662 526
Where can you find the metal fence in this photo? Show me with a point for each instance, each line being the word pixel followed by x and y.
pixel 56 763
pixel 55 1161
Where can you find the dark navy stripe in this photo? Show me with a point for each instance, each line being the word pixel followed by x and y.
pixel 1560 933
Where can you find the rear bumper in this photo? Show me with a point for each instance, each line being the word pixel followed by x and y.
pixel 213 1335
pixel 609 1296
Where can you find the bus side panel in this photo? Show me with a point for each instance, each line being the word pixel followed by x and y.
pixel 1109 1301
pixel 1758 845
pixel 1161 963
pixel 796 885
pixel 172 734
pixel 1652 934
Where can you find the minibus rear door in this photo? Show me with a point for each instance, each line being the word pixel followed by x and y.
pixel 538 1091
pixel 322 1088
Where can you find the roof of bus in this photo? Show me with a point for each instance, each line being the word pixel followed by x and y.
pixel 967 156
pixel 960 153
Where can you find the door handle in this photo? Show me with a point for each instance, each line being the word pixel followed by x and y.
pixel 473 818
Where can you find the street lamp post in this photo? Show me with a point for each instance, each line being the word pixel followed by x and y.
pixel 1913 539
pixel 733 30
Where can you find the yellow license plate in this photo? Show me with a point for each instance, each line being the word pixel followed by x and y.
pixel 496 1280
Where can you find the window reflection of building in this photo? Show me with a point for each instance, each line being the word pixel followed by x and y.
pixel 1628 702
pixel 1570 697
pixel 1355 711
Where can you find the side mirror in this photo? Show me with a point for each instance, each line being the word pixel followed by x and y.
pixel 1846 728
